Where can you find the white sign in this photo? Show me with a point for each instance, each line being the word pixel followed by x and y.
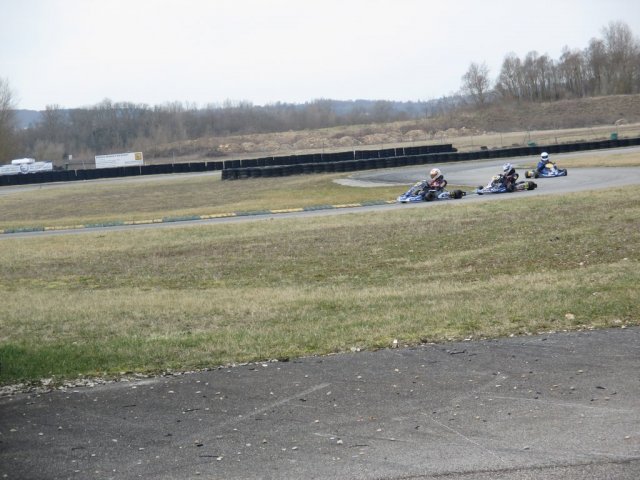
pixel 25 167
pixel 119 160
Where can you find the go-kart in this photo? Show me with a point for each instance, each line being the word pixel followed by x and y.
pixel 497 185
pixel 549 170
pixel 420 192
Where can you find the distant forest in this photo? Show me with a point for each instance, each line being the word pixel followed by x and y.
pixel 607 66
pixel 110 127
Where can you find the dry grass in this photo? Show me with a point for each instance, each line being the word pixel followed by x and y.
pixel 98 304
pixel 176 196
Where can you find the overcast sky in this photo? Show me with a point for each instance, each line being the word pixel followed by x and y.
pixel 75 53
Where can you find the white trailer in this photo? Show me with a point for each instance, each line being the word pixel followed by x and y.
pixel 25 165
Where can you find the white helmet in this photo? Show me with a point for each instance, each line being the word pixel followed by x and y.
pixel 544 156
pixel 507 167
pixel 435 173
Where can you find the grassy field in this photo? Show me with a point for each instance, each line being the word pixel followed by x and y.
pixel 184 298
pixel 175 196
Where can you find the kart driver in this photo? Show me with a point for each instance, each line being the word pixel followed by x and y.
pixel 436 180
pixel 509 177
pixel 544 159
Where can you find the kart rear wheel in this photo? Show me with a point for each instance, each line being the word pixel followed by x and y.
pixel 430 196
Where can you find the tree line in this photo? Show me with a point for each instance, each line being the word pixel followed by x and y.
pixel 607 66
pixel 123 126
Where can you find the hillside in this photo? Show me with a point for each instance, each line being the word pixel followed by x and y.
pixel 494 126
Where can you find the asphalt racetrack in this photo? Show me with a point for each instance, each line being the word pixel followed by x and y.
pixel 480 172
pixel 550 406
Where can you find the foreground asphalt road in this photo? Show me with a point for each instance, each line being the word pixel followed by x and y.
pixel 551 406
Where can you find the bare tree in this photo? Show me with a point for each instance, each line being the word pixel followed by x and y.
pixel 597 67
pixel 476 83
pixel 572 73
pixel 510 81
pixel 7 122
pixel 53 123
pixel 622 51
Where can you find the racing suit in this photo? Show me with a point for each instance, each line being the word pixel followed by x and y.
pixel 509 179
pixel 437 183
pixel 541 165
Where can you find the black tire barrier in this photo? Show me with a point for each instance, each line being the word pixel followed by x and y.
pixel 338 156
pixel 370 163
pixel 392 162
pixel 386 153
pixel 294 170
pixel 249 163
pixel 350 165
pixel 229 174
pixel 198 166
pixel 214 166
pixel 333 157
pixel 130 171
pixel 181 168
pixel 339 166
pixel 427 149
pixel 153 169
pixel 255 172
pixel 402 161
pixel 314 163
pixel 364 154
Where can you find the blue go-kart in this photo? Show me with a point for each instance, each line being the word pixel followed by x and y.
pixel 420 192
pixel 550 170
